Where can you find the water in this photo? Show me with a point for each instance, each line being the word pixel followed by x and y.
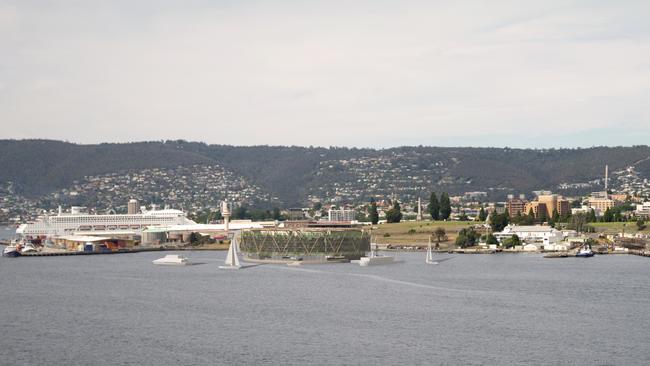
pixel 7 232
pixel 471 310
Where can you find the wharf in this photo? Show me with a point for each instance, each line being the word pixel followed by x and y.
pixel 558 255
pixel 66 253
pixel 473 251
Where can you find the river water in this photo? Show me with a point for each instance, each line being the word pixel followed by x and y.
pixel 7 232
pixel 468 310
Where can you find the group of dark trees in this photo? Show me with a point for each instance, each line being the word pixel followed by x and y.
pixel 467 237
pixel 373 215
pixel 617 213
pixel 394 214
pixel 439 209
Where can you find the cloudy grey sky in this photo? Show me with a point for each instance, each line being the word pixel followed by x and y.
pixel 355 73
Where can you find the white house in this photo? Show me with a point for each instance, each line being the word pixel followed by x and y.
pixel 540 235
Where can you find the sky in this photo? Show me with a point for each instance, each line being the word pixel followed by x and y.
pixel 327 73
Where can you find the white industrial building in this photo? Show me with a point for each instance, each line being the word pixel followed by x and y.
pixel 643 209
pixel 538 235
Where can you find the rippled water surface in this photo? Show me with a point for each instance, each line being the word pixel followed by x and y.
pixel 470 310
pixel 7 232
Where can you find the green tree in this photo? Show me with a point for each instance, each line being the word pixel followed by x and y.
pixel 440 234
pixel 640 224
pixel 195 238
pixel 578 222
pixel 467 237
pixel 491 239
pixel 608 216
pixel 394 214
pixel 240 213
pixel 434 207
pixel 498 221
pixel 445 206
pixel 276 214
pixel 592 216
pixel 361 216
pixel 511 241
pixel 373 215
pixel 482 215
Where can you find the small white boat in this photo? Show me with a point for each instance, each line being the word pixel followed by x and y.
pixel 374 258
pixel 11 251
pixel 232 259
pixel 172 260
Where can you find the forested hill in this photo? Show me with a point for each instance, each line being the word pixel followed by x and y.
pixel 293 174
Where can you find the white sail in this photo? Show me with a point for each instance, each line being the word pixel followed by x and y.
pixel 232 259
pixel 429 253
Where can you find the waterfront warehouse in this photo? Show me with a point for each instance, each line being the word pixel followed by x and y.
pixel 306 243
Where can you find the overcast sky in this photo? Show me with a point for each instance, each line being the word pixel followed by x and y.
pixel 347 73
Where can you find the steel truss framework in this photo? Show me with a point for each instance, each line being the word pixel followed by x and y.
pixel 279 243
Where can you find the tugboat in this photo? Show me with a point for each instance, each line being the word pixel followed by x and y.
pixel 585 251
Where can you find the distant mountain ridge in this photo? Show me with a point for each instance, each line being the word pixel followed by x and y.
pixel 295 174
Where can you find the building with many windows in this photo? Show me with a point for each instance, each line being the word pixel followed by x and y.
pixel 341 215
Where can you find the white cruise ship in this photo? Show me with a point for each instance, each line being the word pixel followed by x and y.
pixel 78 222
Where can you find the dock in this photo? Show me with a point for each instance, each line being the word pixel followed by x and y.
pixel 68 253
pixel 557 255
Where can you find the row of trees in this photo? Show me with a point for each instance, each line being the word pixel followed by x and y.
pixel 468 237
pixel 239 213
pixel 439 209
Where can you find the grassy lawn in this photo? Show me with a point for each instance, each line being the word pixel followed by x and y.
pixel 399 233
pixel 617 227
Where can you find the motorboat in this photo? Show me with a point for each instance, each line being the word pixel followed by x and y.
pixel 375 258
pixel 585 252
pixel 12 251
pixel 29 248
pixel 173 260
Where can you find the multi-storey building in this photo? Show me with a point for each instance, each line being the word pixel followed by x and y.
pixel 550 203
pixel 341 215
pixel 516 206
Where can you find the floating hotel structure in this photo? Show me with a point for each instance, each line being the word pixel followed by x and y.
pixel 304 243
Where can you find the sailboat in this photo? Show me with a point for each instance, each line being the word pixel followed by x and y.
pixel 429 259
pixel 232 259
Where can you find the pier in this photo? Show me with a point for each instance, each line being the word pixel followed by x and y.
pixel 66 252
